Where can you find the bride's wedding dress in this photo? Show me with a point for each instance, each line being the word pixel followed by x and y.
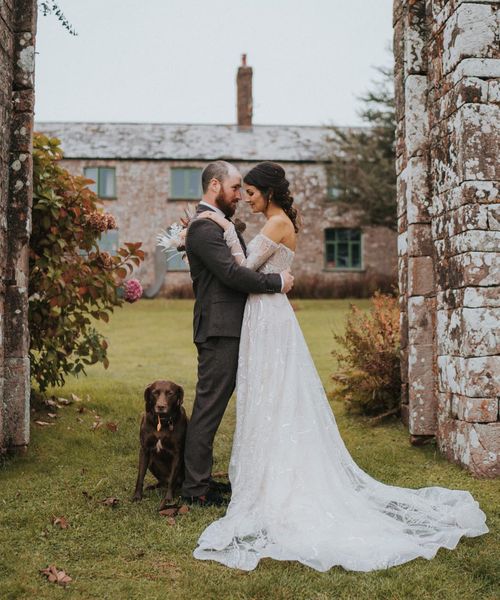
pixel 296 492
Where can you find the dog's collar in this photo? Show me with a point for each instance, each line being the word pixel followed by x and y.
pixel 170 423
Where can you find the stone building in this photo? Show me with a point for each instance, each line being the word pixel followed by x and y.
pixel 448 94
pixel 17 38
pixel 148 174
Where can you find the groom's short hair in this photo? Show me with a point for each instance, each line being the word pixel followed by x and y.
pixel 216 170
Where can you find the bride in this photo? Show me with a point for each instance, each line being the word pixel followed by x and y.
pixel 296 492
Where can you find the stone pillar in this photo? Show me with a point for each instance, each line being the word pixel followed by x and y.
pixel 416 251
pixel 447 91
pixel 17 51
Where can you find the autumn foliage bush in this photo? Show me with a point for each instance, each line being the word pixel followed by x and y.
pixel 72 284
pixel 369 378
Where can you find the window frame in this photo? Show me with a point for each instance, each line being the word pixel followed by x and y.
pixel 98 180
pixel 350 242
pixel 104 239
pixel 177 270
pixel 183 197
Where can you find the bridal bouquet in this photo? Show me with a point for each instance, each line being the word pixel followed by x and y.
pixel 172 239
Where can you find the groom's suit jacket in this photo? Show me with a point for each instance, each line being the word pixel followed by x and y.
pixel 220 285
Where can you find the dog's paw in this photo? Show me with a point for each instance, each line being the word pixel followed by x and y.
pixel 137 497
pixel 166 503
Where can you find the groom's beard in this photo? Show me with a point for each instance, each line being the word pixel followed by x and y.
pixel 227 207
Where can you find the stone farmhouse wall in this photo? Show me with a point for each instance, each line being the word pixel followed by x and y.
pixel 17 39
pixel 143 208
pixel 447 94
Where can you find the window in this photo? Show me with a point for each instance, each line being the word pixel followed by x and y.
pixel 109 242
pixel 175 263
pixel 105 181
pixel 185 183
pixel 335 189
pixel 343 249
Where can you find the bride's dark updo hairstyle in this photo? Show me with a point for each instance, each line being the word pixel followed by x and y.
pixel 269 178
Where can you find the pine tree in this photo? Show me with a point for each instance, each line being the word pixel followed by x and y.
pixel 362 173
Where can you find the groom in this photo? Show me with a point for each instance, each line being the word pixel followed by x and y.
pixel 220 287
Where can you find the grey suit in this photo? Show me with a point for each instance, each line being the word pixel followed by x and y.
pixel 220 287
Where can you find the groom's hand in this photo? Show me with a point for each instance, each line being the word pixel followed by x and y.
pixel 287 281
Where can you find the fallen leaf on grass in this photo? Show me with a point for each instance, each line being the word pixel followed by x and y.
pixel 52 415
pixel 111 426
pixel 79 420
pixel 64 401
pixel 219 474
pixel 169 512
pixel 50 402
pixel 55 575
pixel 174 511
pixel 43 423
pixel 96 425
pixel 60 522
pixel 75 398
pixel 110 501
pixel 170 521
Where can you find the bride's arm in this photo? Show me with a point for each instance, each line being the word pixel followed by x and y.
pixel 267 242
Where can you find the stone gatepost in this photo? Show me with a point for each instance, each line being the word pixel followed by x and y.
pixel 448 140
pixel 17 53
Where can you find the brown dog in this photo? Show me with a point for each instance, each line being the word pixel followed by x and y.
pixel 162 437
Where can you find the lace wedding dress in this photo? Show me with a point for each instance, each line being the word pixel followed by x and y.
pixel 296 492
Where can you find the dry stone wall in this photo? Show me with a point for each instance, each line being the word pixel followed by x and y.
pixel 17 50
pixel 447 77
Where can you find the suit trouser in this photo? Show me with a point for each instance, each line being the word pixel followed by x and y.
pixel 217 366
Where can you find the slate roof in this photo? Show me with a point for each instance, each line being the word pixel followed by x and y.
pixel 166 141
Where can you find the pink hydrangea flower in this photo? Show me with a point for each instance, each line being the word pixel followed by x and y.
pixel 132 290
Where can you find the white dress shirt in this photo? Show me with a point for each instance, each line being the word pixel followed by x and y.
pixel 214 208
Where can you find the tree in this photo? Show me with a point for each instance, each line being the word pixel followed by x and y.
pixel 53 8
pixel 72 283
pixel 362 173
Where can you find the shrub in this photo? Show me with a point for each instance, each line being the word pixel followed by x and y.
pixel 369 378
pixel 72 283
pixel 320 287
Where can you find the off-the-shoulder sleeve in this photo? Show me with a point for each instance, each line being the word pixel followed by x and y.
pixel 261 249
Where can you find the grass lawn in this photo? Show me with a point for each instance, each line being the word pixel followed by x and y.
pixel 130 552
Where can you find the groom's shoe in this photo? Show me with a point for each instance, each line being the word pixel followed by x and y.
pixel 211 498
pixel 219 486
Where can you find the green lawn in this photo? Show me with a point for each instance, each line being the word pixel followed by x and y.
pixel 131 552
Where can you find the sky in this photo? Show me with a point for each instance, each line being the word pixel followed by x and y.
pixel 175 61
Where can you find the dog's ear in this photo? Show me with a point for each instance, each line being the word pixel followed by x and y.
pixel 147 394
pixel 180 395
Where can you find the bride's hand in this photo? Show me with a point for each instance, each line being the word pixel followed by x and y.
pixel 213 216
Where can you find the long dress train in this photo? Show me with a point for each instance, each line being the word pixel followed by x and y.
pixel 296 492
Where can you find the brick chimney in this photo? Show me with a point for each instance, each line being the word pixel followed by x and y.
pixel 244 100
